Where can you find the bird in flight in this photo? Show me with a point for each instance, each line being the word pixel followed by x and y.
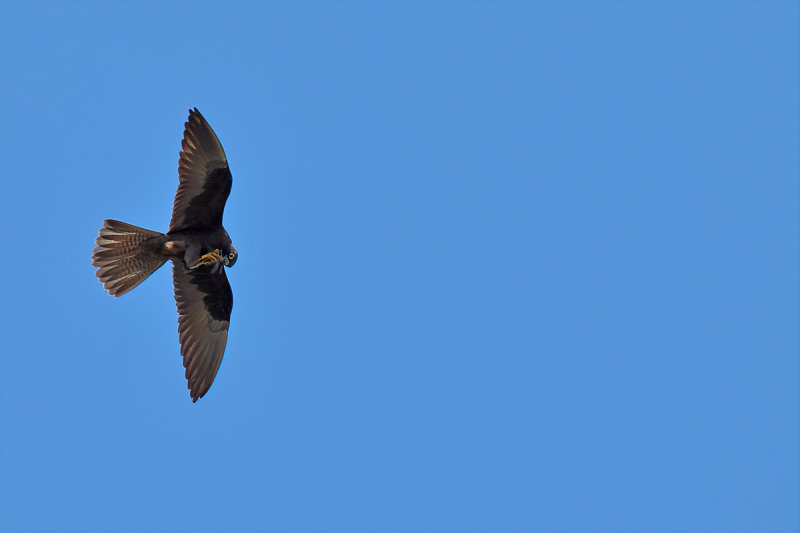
pixel 198 246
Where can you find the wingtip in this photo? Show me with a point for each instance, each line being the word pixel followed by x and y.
pixel 193 393
pixel 195 116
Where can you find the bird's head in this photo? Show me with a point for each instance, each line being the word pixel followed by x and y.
pixel 230 256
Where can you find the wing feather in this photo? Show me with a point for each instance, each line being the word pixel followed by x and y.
pixel 205 179
pixel 205 300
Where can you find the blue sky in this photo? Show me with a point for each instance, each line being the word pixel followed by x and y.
pixel 503 267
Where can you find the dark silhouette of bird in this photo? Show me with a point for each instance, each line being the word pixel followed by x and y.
pixel 198 246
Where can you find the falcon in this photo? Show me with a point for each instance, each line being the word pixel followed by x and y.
pixel 198 246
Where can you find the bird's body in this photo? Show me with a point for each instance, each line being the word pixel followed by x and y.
pixel 191 244
pixel 198 246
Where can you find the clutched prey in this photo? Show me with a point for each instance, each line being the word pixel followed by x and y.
pixel 198 246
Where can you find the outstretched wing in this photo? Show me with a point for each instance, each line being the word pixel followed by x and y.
pixel 204 300
pixel 205 179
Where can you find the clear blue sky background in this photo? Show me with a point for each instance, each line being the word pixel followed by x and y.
pixel 503 267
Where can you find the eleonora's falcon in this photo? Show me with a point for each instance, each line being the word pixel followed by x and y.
pixel 198 246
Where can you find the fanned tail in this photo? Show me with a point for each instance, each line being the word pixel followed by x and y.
pixel 126 255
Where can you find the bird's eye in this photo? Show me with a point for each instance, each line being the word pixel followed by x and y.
pixel 231 255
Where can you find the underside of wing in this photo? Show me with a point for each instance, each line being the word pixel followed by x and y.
pixel 205 179
pixel 204 299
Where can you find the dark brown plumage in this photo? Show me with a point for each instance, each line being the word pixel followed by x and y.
pixel 205 179
pixel 198 246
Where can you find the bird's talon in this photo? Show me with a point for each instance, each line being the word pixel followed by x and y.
pixel 208 259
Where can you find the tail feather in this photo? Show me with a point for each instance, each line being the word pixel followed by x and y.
pixel 125 256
